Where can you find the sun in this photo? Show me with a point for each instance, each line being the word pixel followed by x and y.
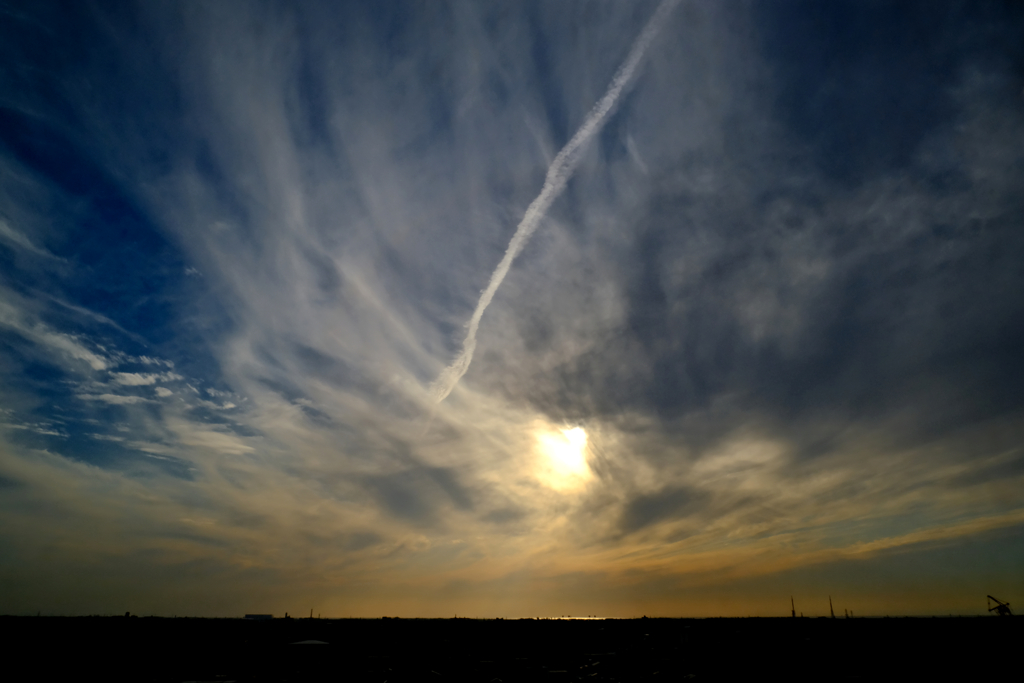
pixel 563 458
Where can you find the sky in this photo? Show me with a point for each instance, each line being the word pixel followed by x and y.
pixel 511 309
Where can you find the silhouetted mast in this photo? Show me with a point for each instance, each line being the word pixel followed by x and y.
pixel 792 606
pixel 832 611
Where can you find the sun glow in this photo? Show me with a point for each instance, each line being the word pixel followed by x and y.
pixel 563 462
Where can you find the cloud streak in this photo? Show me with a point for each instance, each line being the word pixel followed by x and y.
pixel 558 175
pixel 15 237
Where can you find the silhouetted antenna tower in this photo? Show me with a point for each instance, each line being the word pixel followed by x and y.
pixel 792 606
pixel 831 611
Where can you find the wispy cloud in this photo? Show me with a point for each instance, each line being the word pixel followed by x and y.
pixel 781 363
pixel 136 379
pixel 558 175
pixel 113 399
pixel 61 346
pixel 12 236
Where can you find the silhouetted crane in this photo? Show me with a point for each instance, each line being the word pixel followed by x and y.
pixel 1001 608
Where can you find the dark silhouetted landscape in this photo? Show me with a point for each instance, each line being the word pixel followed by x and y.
pixel 184 649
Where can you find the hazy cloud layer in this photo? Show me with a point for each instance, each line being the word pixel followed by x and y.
pixel 781 295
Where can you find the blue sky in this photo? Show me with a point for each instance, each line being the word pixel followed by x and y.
pixel 764 342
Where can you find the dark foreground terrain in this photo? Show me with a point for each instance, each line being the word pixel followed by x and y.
pixel 157 649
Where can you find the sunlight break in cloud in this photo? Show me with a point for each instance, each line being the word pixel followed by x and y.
pixel 558 175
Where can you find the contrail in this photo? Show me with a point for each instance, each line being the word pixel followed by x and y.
pixel 558 175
